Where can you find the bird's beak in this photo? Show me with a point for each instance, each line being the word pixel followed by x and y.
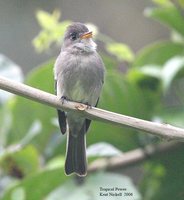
pixel 87 35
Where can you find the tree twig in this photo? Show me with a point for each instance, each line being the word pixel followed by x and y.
pixel 162 130
pixel 132 157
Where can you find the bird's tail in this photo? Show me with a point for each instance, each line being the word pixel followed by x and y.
pixel 76 154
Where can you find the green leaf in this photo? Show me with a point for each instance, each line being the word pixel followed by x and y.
pixel 102 149
pixel 152 70
pixel 58 33
pixel 21 162
pixel 147 78
pixel 5 124
pixel 52 30
pixel 163 2
pixel 31 133
pixel 172 115
pixel 42 41
pixel 151 183
pixel 46 20
pixel 39 185
pixel 177 38
pixel 6 182
pixel 181 3
pixel 162 180
pixel 166 73
pixel 56 162
pixel 125 98
pixel 46 37
pixel 9 70
pixel 121 51
pixel 169 16
pixel 25 112
pixel 110 64
pixel 170 70
pixel 148 67
pixel 93 188
pixel 157 53
pixel 12 71
pixel 18 193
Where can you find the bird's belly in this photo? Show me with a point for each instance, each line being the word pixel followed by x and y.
pixel 84 93
pixel 82 83
pixel 78 93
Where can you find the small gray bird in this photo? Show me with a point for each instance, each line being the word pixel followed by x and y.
pixel 79 76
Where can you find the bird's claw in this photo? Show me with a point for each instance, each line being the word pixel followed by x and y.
pixel 88 106
pixel 63 99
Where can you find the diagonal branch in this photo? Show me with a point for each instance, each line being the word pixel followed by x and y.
pixel 162 130
pixel 132 157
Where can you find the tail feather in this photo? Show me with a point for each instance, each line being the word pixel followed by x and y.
pixel 76 154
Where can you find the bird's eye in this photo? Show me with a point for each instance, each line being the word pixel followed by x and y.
pixel 73 36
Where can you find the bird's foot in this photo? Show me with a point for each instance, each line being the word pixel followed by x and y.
pixel 63 99
pixel 88 105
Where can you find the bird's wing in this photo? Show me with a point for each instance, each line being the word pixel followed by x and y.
pixel 88 121
pixel 61 115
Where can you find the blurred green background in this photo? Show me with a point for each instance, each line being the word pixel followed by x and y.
pixel 142 45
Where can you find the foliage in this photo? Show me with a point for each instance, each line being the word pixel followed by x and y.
pixel 32 148
pixel 53 31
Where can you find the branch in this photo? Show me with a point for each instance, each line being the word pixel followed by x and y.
pixel 162 130
pixel 132 157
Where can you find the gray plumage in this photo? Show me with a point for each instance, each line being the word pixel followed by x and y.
pixel 79 76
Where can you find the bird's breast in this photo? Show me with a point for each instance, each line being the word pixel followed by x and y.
pixel 83 83
pixel 77 92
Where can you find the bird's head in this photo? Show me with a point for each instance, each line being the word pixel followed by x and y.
pixel 78 37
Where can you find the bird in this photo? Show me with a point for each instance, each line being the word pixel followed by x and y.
pixel 79 76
